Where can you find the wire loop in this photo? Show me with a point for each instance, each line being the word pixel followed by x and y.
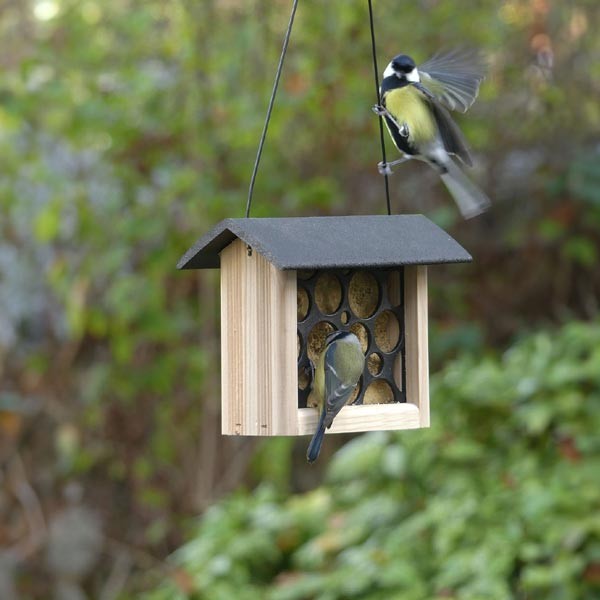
pixel 274 93
pixel 286 41
pixel 381 136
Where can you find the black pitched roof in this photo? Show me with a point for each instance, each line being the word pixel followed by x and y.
pixel 331 242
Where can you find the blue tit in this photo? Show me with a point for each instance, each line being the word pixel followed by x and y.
pixel 336 376
pixel 415 102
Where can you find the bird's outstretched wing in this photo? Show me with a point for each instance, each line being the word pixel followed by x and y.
pixel 454 77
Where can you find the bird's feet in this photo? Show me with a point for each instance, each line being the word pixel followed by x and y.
pixel 403 130
pixel 384 168
pixel 379 110
pixel 382 111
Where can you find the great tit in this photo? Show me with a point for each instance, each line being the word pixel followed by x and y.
pixel 414 107
pixel 337 372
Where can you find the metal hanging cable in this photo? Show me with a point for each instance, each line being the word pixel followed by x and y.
pixel 274 93
pixel 381 135
pixel 270 108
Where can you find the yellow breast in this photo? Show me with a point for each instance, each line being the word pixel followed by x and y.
pixel 408 105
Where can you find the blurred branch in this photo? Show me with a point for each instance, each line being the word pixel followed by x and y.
pixel 32 509
pixel 119 574
pixel 236 465
pixel 208 455
pixel 142 558
pixel 220 466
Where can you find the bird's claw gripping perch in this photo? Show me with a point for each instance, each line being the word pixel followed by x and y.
pixel 379 110
pixel 382 111
pixel 384 168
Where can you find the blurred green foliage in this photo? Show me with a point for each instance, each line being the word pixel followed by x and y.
pixel 498 500
pixel 129 127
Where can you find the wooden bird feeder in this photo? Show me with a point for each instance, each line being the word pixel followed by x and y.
pixel 286 283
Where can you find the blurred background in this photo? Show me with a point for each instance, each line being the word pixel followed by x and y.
pixel 127 129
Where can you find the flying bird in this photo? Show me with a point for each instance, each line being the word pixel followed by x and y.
pixel 415 105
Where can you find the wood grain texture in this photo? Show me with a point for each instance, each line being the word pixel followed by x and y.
pixel 259 354
pixel 416 343
pixel 259 375
pixel 365 417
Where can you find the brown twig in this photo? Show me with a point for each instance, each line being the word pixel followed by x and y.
pixel 32 508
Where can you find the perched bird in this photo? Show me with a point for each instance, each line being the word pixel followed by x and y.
pixel 414 107
pixel 336 376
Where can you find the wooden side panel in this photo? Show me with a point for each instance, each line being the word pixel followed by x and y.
pixel 364 417
pixel 259 378
pixel 416 343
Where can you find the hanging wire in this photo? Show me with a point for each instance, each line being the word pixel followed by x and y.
pixel 270 109
pixel 381 136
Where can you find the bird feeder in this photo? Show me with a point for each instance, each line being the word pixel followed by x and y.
pixel 286 283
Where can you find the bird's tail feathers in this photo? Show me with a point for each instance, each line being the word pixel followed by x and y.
pixel 312 453
pixel 470 199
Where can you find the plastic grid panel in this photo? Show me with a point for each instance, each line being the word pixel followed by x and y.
pixel 314 316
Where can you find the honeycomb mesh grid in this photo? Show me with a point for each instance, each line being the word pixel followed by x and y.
pixel 365 308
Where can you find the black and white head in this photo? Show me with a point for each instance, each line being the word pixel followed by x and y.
pixel 345 337
pixel 403 67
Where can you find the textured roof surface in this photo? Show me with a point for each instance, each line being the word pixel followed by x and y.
pixel 331 242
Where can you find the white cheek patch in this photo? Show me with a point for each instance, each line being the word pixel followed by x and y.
pixel 388 71
pixel 413 76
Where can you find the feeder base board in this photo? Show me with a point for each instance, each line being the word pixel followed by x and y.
pixel 365 417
